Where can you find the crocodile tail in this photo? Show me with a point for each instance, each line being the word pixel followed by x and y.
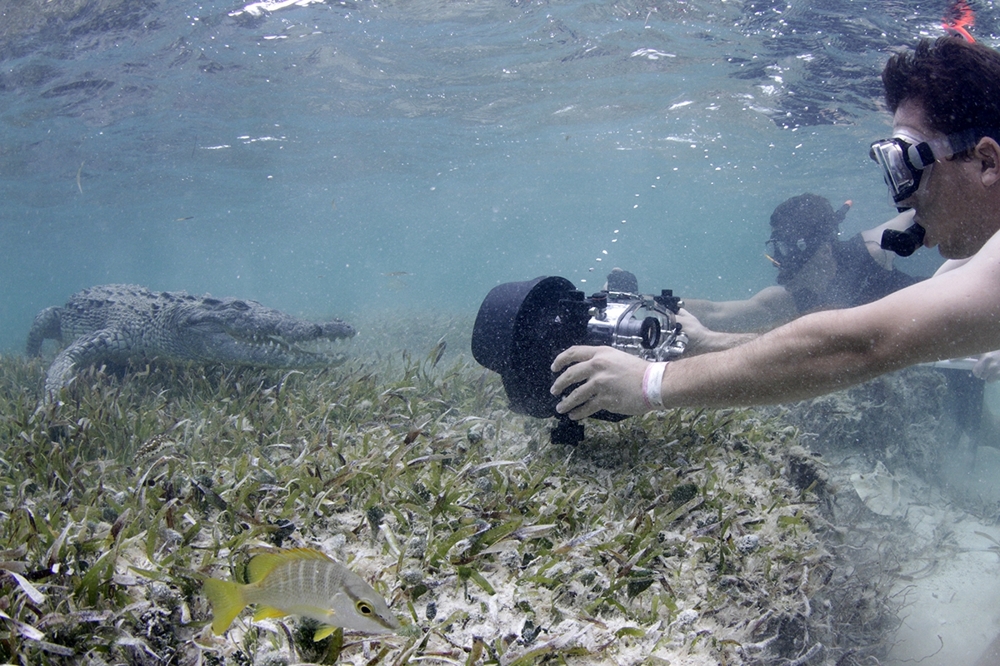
pixel 92 348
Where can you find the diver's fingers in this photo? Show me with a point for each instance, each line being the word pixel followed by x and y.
pixel 590 404
pixel 608 379
pixel 574 374
pixel 581 401
pixel 573 355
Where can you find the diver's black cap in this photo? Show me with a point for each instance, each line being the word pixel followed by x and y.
pixel 806 216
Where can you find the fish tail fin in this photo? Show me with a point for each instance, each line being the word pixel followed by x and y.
pixel 227 601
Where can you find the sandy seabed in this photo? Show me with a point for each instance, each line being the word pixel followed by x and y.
pixel 930 487
pixel 821 533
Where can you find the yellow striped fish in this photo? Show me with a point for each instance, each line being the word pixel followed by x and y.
pixel 306 582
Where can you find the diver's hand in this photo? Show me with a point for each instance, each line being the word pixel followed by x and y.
pixel 988 366
pixel 698 335
pixel 611 379
pixel 702 339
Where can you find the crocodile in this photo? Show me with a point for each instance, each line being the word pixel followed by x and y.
pixel 123 323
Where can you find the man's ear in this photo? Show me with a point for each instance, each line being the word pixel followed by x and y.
pixel 988 154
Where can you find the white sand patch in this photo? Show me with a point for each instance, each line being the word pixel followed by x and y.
pixel 953 608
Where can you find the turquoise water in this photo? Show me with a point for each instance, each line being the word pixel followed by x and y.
pixel 341 157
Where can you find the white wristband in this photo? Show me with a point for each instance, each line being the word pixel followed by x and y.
pixel 652 381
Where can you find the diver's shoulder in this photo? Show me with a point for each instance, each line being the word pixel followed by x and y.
pixel 987 255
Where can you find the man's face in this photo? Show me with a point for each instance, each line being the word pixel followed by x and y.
pixel 945 204
pixel 816 274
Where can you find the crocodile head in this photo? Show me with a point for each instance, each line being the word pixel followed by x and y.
pixel 247 333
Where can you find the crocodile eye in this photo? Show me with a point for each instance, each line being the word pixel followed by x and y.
pixel 364 608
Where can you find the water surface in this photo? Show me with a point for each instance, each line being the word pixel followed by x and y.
pixel 334 157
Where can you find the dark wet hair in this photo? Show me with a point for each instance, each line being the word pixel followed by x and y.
pixel 957 84
pixel 805 216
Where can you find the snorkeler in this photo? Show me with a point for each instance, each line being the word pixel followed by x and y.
pixel 816 271
pixel 956 199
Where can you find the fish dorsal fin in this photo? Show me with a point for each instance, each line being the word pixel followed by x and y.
pixel 306 554
pixel 263 563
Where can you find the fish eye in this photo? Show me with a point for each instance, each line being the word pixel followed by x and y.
pixel 364 608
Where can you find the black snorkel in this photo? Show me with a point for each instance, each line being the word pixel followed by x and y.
pixel 842 211
pixel 904 243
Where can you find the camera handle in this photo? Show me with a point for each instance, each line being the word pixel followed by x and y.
pixel 566 431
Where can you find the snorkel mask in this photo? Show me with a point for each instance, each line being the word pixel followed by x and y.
pixel 789 256
pixel 902 163
pixel 904 158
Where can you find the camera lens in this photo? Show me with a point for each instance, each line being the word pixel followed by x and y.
pixel 646 331
pixel 650 332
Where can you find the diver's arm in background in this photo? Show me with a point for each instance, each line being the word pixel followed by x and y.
pixel 764 310
pixel 702 340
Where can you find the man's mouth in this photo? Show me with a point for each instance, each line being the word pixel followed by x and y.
pixel 928 238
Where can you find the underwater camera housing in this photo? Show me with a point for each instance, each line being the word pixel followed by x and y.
pixel 522 326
